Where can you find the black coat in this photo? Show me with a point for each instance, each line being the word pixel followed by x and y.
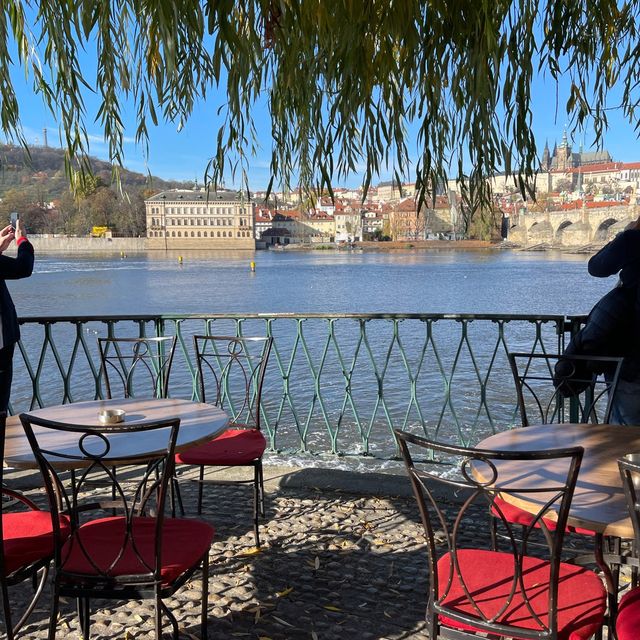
pixel 13 269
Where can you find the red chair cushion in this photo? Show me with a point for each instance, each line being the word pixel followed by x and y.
pixel 27 537
pixel 516 515
pixel 628 620
pixel 184 542
pixel 233 447
pixel 488 576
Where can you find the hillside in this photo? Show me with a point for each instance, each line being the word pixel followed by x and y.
pixel 38 189
pixel 44 172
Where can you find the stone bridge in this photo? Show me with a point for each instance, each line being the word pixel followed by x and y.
pixel 584 227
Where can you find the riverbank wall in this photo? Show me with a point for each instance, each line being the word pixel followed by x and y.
pixel 65 244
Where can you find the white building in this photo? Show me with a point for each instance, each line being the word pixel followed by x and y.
pixel 197 219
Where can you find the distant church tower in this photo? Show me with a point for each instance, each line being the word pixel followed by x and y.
pixel 546 157
pixel 44 137
pixel 564 154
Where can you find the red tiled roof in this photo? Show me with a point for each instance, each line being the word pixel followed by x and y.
pixel 594 168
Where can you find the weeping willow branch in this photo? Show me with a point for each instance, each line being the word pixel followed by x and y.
pixel 345 81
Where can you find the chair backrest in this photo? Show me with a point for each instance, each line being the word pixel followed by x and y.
pixel 94 454
pixel 630 472
pixel 557 388
pixel 136 366
pixel 231 373
pixel 477 477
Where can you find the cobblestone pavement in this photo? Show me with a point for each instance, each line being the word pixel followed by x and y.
pixel 333 565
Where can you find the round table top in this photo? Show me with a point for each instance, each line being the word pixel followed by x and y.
pixel 199 422
pixel 598 502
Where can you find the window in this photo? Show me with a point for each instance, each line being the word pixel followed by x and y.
pixel 173 234
pixel 204 233
pixel 179 234
pixel 198 234
pixel 192 234
pixel 218 233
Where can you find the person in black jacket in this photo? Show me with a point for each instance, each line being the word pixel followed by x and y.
pixel 612 327
pixel 11 269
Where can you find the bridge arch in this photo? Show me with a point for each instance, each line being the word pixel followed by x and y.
pixel 602 232
pixel 560 230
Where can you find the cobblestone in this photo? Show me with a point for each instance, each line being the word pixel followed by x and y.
pixel 333 565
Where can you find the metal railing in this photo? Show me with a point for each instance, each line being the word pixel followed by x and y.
pixel 335 384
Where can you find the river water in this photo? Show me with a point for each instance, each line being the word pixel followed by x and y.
pixel 339 395
pixel 315 281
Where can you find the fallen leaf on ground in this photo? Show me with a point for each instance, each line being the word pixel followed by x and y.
pixel 330 607
pixel 254 551
pixel 281 621
pixel 286 592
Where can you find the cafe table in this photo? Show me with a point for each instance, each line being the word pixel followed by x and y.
pixel 598 501
pixel 199 423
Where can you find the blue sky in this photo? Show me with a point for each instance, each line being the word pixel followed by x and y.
pixel 183 155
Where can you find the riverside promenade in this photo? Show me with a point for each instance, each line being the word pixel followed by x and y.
pixel 343 557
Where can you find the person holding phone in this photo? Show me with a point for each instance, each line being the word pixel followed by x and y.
pixel 11 269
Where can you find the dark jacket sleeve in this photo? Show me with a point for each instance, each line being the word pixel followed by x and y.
pixel 19 267
pixel 623 251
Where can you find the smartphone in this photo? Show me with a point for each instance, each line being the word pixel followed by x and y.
pixel 15 216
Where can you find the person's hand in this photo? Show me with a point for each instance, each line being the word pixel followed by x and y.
pixel 19 232
pixel 6 237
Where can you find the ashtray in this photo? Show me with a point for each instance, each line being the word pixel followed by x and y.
pixel 111 416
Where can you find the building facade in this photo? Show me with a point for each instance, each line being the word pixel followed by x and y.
pixel 197 219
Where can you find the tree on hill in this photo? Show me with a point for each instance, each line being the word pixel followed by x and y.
pixel 30 183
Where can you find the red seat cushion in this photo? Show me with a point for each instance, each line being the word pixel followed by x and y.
pixel 184 542
pixel 516 515
pixel 489 575
pixel 27 537
pixel 628 620
pixel 233 447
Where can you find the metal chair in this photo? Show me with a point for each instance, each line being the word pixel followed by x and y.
pixel 123 548
pixel 476 589
pixel 26 546
pixel 628 618
pixel 231 373
pixel 139 365
pixel 134 367
pixel 557 388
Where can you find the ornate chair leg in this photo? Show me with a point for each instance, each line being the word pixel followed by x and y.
pixel 200 489
pixel 55 610
pixel 261 480
pixel 205 597
pixel 256 504
pixel 6 610
pixel 38 589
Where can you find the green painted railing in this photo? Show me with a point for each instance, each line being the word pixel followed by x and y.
pixel 335 384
